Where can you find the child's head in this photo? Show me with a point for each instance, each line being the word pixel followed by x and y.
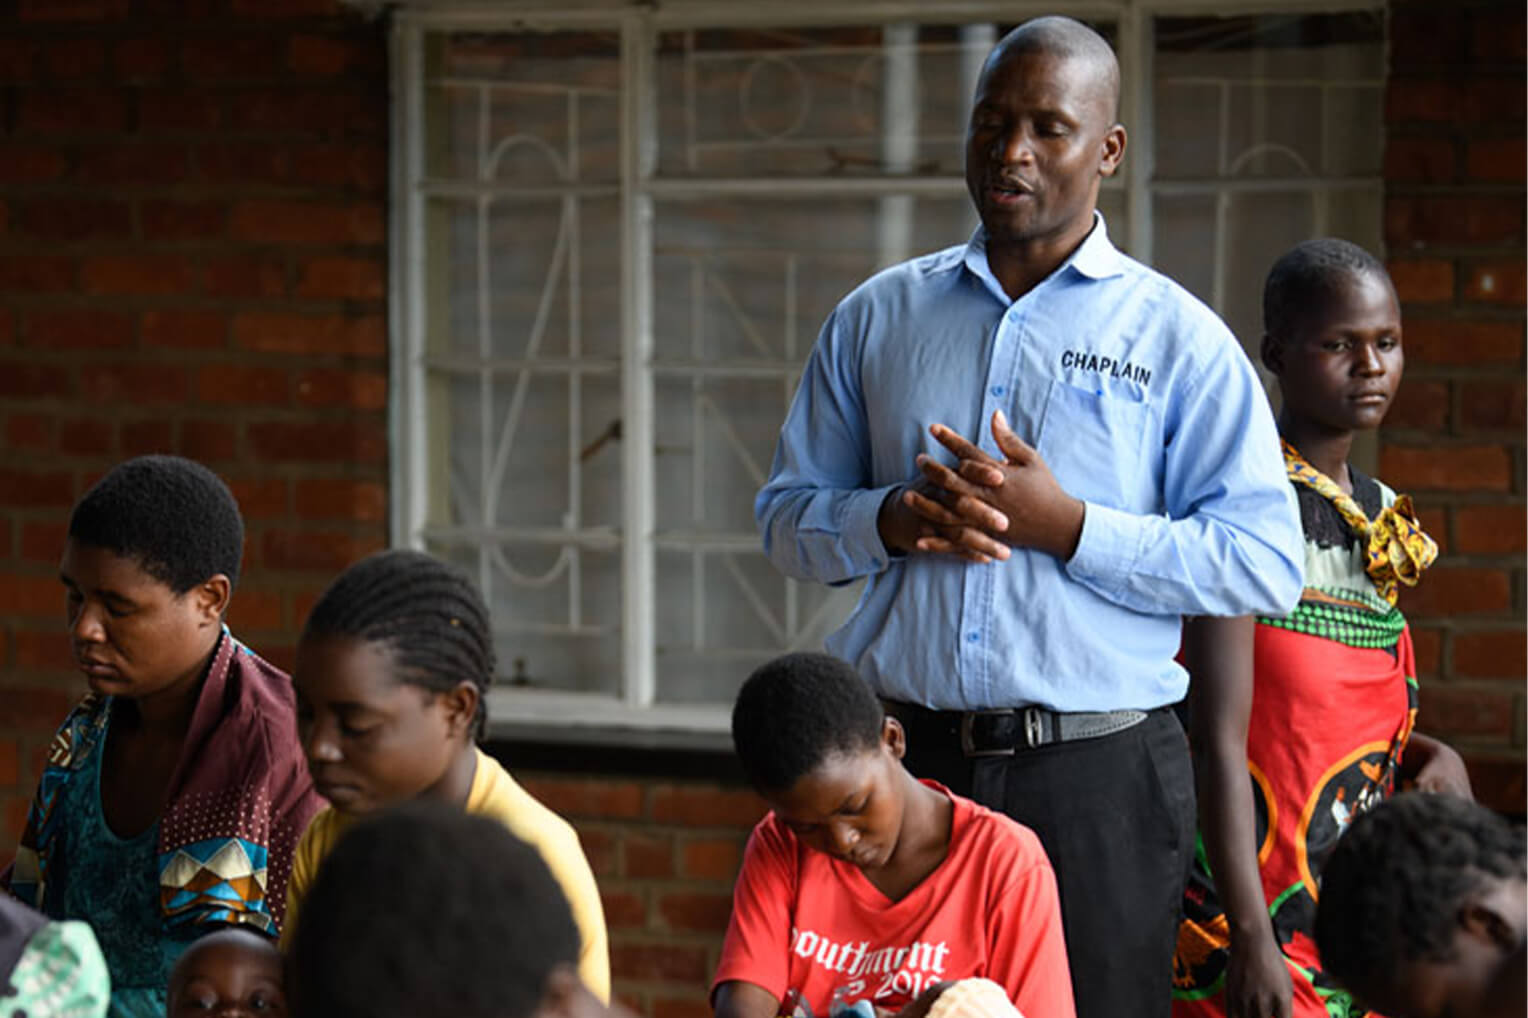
pixel 474 925
pixel 150 564
pixel 816 743
pixel 391 673
pixel 1332 335
pixel 1422 907
pixel 230 968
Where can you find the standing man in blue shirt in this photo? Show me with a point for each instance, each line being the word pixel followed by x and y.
pixel 1043 455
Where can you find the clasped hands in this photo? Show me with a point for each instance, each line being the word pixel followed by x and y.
pixel 984 506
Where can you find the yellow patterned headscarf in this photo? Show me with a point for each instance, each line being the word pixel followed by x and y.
pixel 1396 549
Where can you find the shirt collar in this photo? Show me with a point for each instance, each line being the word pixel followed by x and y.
pixel 1095 257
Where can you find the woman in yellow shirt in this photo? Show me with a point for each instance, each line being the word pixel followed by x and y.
pixel 391 672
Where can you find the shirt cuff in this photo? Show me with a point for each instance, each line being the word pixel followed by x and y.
pixel 862 538
pixel 1107 549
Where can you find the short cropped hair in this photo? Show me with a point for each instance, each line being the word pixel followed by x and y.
pixel 1307 275
pixel 1392 889
pixel 425 610
pixel 797 711
pixel 172 516
pixel 473 925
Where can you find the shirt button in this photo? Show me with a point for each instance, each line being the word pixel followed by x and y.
pixel 973 636
pixel 997 390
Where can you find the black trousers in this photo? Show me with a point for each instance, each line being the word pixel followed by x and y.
pixel 1116 817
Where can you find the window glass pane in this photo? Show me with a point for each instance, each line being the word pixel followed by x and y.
pixel 814 101
pixel 1268 132
pixel 1111 202
pixel 524 278
pixel 523 108
pixel 1357 214
pixel 1272 131
pixel 1259 228
pixel 532 507
pixel 522 340
pixel 754 278
pixel 1356 129
pixel 530 449
pixel 1188 129
pixel 565 638
pixel 855 100
pixel 1184 228
pixel 1277 95
pixel 725 612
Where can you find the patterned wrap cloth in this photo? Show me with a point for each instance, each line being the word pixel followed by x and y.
pixel 1334 702
pixel 239 799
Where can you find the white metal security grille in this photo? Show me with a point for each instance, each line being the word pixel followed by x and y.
pixel 617 228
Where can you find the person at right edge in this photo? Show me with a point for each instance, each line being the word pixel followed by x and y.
pixel 1024 602
pixel 1333 683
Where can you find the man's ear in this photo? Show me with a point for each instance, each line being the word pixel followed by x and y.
pixel 461 703
pixel 893 737
pixel 211 597
pixel 1113 151
pixel 1272 353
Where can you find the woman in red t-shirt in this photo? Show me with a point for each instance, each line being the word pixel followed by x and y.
pixel 866 891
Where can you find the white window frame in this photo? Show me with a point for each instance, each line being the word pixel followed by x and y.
pixel 638 25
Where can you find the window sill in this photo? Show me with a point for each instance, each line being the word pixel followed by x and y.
pixel 616 752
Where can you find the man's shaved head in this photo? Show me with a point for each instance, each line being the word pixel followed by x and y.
pixel 1062 37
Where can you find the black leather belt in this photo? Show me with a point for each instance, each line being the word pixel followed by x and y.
pixel 1005 732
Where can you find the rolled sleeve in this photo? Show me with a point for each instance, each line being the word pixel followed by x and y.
pixel 864 550
pixel 1107 550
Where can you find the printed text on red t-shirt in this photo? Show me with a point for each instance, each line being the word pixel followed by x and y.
pixel 891 971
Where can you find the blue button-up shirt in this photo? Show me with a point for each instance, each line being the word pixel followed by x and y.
pixel 1142 404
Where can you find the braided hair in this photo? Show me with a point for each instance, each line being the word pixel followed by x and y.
pixel 1306 276
pixel 1392 889
pixel 425 611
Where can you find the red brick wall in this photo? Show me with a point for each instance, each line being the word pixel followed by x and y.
pixel 1454 222
pixel 665 854
pixel 192 260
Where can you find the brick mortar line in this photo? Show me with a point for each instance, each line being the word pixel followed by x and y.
pixel 1504 685
pixel 1466 187
pixel 1483 749
pixel 191 357
pixel 288 470
pixel 121 245
pixel 116 245
pixel 671 883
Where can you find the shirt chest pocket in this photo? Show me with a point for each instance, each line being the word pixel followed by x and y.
pixel 1095 444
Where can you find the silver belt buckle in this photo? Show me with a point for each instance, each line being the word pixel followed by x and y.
pixel 968 748
pixel 1034 727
